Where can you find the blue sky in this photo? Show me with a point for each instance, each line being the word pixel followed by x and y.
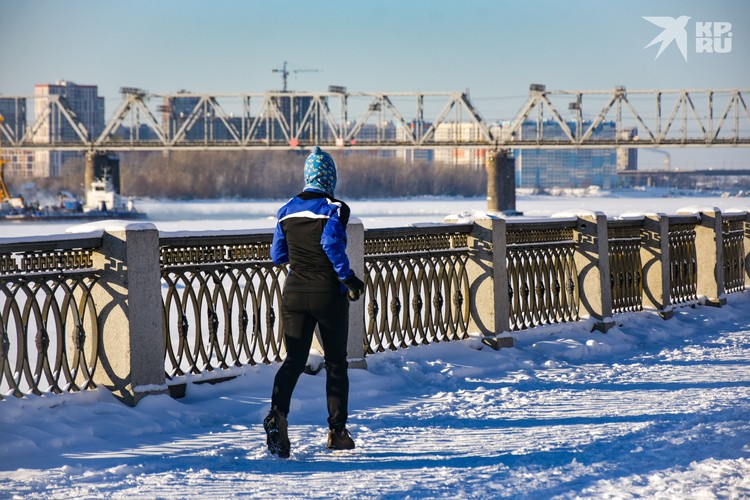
pixel 493 48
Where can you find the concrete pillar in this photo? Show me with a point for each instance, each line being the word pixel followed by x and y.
pixel 709 250
pixel 355 250
pixel 655 261
pixel 501 182
pixel 129 305
pixel 592 261
pixel 489 304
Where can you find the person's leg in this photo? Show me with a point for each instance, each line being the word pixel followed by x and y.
pixel 298 333
pixel 333 320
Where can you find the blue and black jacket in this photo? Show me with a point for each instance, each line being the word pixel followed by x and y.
pixel 311 236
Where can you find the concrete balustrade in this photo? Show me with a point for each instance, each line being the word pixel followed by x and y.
pixel 127 294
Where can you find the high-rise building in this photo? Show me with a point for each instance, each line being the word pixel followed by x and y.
pixel 13 111
pixel 84 101
pixel 176 110
pixel 204 124
pixel 627 158
pixel 19 163
pixel 569 168
pixel 458 132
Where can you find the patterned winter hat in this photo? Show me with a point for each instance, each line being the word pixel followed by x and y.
pixel 320 171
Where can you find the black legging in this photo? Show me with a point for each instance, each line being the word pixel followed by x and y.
pixel 300 312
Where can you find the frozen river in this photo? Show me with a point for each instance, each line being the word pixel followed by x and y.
pixel 652 409
pixel 258 214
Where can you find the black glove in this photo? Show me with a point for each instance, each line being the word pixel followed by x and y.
pixel 356 287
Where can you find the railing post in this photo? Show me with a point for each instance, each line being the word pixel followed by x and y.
pixel 746 246
pixel 655 261
pixel 128 298
pixel 355 250
pixel 709 249
pixel 592 261
pixel 489 307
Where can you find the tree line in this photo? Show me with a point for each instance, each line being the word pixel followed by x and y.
pixel 271 174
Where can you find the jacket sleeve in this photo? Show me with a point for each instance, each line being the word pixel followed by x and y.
pixel 279 248
pixel 333 241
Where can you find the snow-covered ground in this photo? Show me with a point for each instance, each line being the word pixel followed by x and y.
pixel 653 408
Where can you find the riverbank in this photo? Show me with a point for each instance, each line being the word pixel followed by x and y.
pixel 232 214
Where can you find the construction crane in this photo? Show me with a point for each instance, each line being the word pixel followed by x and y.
pixel 285 73
pixel 15 203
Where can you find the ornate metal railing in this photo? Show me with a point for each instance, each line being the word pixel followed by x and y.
pixel 48 321
pixel 542 274
pixel 417 288
pixel 222 297
pixel 625 267
pixel 733 232
pixel 683 262
pixel 222 294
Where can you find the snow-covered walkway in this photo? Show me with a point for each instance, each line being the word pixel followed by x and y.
pixel 653 408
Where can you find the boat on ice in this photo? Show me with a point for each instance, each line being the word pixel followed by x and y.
pixel 101 202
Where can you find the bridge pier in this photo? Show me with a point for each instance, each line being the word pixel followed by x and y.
pixel 501 182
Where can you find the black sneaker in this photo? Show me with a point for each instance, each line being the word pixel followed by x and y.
pixel 277 438
pixel 340 440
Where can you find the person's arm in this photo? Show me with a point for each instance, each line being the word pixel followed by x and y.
pixel 333 241
pixel 279 248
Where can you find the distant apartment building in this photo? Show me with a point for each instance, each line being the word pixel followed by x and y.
pixel 572 168
pixel 19 163
pixel 13 125
pixel 535 168
pixel 186 118
pixel 88 106
pixel 294 108
pixel 177 111
pixel 450 133
pixel 458 132
pixel 379 133
pixel 627 158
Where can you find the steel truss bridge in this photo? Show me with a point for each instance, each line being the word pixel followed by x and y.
pixel 338 119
